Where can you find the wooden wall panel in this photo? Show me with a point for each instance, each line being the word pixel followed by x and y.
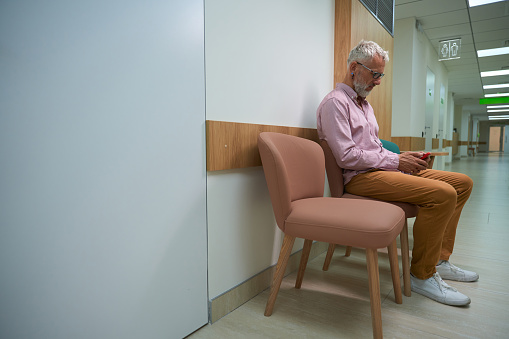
pixel 365 26
pixel 435 143
pixel 233 145
pixel 409 143
pixel 455 141
pixel 342 38
pixel 354 23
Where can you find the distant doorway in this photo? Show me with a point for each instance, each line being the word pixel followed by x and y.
pixel 496 139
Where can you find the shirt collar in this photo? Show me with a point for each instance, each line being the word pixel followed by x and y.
pixel 350 92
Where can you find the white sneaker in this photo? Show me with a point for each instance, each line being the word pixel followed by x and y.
pixel 450 272
pixel 435 288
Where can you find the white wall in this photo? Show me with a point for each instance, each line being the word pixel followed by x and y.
pixel 413 54
pixel 267 62
pixel 102 205
pixel 402 104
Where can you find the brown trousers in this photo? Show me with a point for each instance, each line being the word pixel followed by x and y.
pixel 440 196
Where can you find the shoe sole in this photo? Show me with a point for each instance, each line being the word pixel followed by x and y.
pixel 459 279
pixel 437 299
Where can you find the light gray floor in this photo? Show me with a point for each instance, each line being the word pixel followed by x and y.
pixel 335 304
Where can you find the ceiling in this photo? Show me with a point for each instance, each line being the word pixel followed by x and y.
pixel 480 27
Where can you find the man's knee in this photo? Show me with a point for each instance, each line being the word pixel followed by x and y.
pixel 445 194
pixel 466 182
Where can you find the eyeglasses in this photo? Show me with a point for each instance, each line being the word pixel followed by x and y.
pixel 376 75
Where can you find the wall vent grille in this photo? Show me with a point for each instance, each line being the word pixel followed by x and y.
pixel 383 11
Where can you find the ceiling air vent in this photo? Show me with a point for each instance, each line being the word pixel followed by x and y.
pixel 383 11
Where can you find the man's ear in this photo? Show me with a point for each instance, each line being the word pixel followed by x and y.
pixel 352 67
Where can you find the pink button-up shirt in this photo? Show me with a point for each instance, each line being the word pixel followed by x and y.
pixel 352 133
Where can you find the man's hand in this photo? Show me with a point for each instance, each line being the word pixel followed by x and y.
pixel 410 162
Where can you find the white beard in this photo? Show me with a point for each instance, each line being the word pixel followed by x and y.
pixel 360 88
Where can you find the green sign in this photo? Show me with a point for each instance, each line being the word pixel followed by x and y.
pixel 495 100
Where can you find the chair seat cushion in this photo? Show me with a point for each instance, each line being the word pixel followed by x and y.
pixel 354 222
pixel 410 210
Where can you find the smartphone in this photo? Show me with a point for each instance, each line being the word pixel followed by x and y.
pixel 425 156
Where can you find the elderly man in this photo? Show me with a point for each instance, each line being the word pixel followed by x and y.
pixel 347 122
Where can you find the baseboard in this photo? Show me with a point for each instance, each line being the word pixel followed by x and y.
pixel 232 299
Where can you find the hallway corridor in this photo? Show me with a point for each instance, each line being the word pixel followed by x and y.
pixel 335 304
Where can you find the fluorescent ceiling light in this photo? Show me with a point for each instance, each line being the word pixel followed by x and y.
pixel 495 86
pixel 496 95
pixel 498 106
pixel 492 52
pixel 498 110
pixel 473 3
pixel 494 73
pixel 498 117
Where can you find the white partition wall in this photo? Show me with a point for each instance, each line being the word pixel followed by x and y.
pixel 267 62
pixel 102 175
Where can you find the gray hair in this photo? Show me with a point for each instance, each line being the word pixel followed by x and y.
pixel 366 50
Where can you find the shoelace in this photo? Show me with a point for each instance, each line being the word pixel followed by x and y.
pixel 454 268
pixel 442 284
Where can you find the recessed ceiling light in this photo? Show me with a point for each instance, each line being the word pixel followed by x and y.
pixel 495 86
pixel 492 52
pixel 496 95
pixel 498 106
pixel 498 117
pixel 494 73
pixel 498 110
pixel 473 3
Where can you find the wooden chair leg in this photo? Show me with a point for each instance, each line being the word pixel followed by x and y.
pixel 284 255
pixel 374 292
pixel 394 262
pixel 405 260
pixel 303 262
pixel 348 251
pixel 328 257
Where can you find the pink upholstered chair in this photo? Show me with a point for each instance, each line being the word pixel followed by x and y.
pixel 295 173
pixel 335 178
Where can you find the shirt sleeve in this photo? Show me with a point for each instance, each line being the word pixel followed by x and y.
pixel 335 126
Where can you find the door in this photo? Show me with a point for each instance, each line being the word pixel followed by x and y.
pixel 495 138
pixel 440 161
pixel 441 118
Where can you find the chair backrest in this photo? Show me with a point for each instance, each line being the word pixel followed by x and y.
pixel 294 169
pixel 389 145
pixel 334 172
